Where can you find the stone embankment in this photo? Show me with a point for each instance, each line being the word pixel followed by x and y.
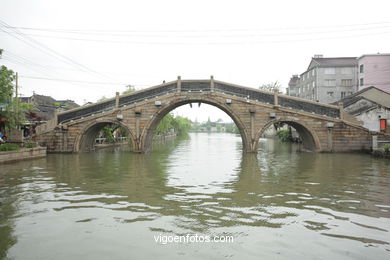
pixel 22 154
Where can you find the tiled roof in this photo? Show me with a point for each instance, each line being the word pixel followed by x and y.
pixel 371 93
pixel 336 62
pixel 293 81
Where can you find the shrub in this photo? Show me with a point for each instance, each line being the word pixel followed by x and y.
pixel 9 147
pixel 386 147
pixel 284 135
pixel 29 145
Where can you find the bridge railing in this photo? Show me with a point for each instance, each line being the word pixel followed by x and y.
pixel 247 93
pixel 310 107
pixel 109 104
pixel 283 101
pixel 201 86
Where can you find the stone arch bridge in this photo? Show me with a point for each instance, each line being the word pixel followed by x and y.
pixel 323 127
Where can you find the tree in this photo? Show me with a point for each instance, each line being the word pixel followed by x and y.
pixel 164 125
pixel 272 86
pixel 180 125
pixel 11 108
pixel 6 87
pixel 103 98
pixel 129 89
pixel 107 132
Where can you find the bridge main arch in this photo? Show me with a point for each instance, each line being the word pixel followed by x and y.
pixel 310 140
pixel 147 134
pixel 86 138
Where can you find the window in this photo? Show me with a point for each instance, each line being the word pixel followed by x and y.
pixel 346 82
pixel 330 93
pixel 343 94
pixel 361 81
pixel 330 71
pixel 330 82
pixel 312 72
pixel 361 68
pixel 346 71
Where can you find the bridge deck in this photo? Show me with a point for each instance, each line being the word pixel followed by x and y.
pixel 201 86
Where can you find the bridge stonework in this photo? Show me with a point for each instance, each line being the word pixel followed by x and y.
pixel 323 128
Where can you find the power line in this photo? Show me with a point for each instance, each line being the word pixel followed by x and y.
pixel 199 36
pixel 81 81
pixel 212 42
pixel 43 48
pixel 93 31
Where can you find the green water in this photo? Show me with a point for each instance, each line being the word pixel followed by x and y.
pixel 278 204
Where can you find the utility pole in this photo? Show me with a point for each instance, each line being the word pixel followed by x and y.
pixel 17 101
pixel 16 85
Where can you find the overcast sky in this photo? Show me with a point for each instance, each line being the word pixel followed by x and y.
pixel 83 50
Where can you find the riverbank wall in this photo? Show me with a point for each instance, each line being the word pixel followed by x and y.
pixel 106 145
pixel 164 138
pixel 22 154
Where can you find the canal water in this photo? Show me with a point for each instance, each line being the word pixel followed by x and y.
pixel 278 204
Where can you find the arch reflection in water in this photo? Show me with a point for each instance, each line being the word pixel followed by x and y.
pixel 269 202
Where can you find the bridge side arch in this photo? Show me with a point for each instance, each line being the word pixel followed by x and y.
pixel 310 139
pixel 86 137
pixel 147 133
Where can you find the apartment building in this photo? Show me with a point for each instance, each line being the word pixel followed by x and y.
pixel 327 80
pixel 374 70
pixel 293 86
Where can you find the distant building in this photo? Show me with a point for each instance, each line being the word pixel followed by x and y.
pixel 327 80
pixel 371 106
pixel 46 106
pixel 374 70
pixel 293 86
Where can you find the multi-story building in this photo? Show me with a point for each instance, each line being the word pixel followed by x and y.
pixel 293 86
pixel 374 70
pixel 327 80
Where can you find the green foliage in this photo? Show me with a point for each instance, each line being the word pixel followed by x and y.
pixel 122 132
pixel 272 86
pixel 108 134
pixel 11 108
pixel 386 147
pixel 57 104
pixel 29 145
pixel 180 125
pixel 6 87
pixel 231 128
pixel 284 135
pixel 164 125
pixel 219 125
pixel 103 98
pixel 129 89
pixel 9 147
pixel 16 113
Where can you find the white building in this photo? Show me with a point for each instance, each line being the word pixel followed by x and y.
pixel 371 106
